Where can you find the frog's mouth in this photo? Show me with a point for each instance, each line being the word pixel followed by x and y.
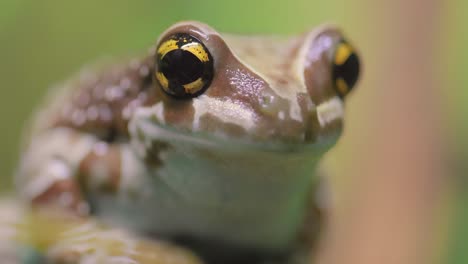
pixel 146 129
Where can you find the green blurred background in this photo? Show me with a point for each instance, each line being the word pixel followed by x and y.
pixel 454 58
pixel 43 42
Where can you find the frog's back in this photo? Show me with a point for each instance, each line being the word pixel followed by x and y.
pixel 99 100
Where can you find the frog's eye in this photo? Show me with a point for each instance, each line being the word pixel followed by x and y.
pixel 345 68
pixel 184 67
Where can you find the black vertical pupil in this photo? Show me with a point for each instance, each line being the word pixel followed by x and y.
pixel 181 67
pixel 349 71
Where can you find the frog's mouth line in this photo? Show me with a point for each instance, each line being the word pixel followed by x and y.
pixel 147 129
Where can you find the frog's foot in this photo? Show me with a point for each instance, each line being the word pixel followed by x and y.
pixel 62 167
pixel 117 246
pixel 49 170
pixel 66 238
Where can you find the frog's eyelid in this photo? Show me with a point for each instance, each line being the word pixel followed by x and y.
pixel 314 46
pixel 300 61
pixel 198 29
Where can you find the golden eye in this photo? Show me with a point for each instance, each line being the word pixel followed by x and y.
pixel 184 67
pixel 345 68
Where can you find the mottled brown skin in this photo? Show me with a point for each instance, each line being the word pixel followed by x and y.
pixel 101 105
pixel 106 155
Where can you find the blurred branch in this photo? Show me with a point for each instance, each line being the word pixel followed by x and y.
pixel 397 176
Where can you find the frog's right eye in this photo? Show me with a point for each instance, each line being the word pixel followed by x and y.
pixel 184 66
pixel 345 68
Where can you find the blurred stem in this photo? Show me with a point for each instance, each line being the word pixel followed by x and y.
pixel 397 175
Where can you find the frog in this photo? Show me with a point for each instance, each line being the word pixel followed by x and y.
pixel 211 141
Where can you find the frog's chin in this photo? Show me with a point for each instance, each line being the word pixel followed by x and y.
pixel 148 131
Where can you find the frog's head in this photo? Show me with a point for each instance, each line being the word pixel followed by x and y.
pixel 248 89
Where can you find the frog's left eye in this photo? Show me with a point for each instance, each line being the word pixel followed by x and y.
pixel 345 68
pixel 184 66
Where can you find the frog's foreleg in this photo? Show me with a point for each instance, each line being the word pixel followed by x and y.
pixel 61 168
pixel 49 169
pixel 319 208
pixel 61 165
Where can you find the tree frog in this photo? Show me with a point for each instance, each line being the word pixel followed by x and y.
pixel 210 140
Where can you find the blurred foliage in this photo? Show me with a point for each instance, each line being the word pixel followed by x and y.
pixel 455 63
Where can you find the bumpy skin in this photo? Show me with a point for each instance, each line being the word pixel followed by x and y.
pixel 80 134
pixel 232 167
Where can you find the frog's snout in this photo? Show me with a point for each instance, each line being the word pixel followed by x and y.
pixel 300 119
